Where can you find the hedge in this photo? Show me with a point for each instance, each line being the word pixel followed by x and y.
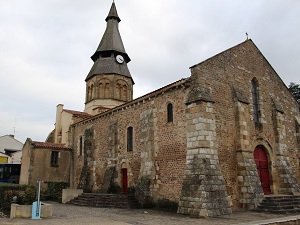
pixel 7 191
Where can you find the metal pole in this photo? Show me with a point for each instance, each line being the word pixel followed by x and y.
pixel 38 197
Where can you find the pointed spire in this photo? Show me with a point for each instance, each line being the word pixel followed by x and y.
pixel 113 14
pixel 109 74
pixel 110 46
pixel 111 40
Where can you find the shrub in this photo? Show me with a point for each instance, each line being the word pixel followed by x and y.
pixel 7 191
pixel 54 191
pixel 8 196
pixel 28 196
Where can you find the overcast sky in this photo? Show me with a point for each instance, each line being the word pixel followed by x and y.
pixel 45 48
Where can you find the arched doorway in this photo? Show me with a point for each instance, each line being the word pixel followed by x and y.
pixel 262 166
pixel 124 180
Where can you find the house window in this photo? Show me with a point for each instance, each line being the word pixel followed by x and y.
pixel 170 112
pixel 80 146
pixel 130 139
pixel 54 158
pixel 255 98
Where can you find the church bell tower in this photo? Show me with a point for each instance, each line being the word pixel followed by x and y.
pixel 109 82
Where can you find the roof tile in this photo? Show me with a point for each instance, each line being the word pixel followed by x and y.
pixel 37 144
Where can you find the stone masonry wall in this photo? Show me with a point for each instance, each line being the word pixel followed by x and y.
pixel 85 180
pixel 223 74
pixel 234 131
pixel 204 191
pixel 147 175
pixel 287 177
pixel 159 146
pixel 250 190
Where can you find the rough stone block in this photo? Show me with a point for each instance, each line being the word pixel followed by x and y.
pixel 203 213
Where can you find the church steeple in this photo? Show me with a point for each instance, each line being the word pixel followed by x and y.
pixel 109 78
pixel 111 40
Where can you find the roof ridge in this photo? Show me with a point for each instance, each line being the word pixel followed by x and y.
pixel 50 145
pixel 75 111
pixel 141 98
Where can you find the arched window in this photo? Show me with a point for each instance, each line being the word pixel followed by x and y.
pixel 255 98
pixel 107 90
pixel 88 94
pixel 170 112
pixel 101 91
pixel 124 93
pixel 129 139
pixel 118 91
pixel 91 92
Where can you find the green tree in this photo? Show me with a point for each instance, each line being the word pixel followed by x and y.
pixel 295 90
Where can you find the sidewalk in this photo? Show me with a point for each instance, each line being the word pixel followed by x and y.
pixel 75 215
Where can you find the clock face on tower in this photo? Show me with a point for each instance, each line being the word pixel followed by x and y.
pixel 120 59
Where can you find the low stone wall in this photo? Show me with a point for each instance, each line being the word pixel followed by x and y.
pixel 24 211
pixel 69 194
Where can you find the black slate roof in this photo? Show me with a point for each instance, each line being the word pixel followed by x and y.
pixel 111 40
pixel 110 46
pixel 108 66
pixel 113 14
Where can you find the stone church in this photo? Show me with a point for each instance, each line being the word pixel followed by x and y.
pixel 216 141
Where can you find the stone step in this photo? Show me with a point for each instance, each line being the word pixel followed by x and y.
pixel 280 211
pixel 280 203
pixel 283 200
pixel 275 207
pixel 106 200
pixel 287 204
pixel 274 197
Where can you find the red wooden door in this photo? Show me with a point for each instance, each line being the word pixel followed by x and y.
pixel 261 161
pixel 124 181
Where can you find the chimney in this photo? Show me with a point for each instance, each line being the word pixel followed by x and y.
pixel 59 110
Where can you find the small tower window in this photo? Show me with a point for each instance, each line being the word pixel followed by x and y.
pixel 92 92
pixel 124 94
pixel 170 112
pixel 255 98
pixel 101 91
pixel 107 90
pixel 130 139
pixel 80 146
pixel 54 158
pixel 118 91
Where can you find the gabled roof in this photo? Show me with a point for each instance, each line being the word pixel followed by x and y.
pixel 10 143
pixel 37 144
pixel 241 45
pixel 76 113
pixel 236 46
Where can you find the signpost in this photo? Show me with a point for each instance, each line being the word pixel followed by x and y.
pixel 37 205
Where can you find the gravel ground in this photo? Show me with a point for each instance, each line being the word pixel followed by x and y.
pixel 76 215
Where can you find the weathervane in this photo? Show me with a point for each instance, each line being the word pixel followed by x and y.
pixel 247 35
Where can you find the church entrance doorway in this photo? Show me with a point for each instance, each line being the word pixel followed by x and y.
pixel 262 166
pixel 124 181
